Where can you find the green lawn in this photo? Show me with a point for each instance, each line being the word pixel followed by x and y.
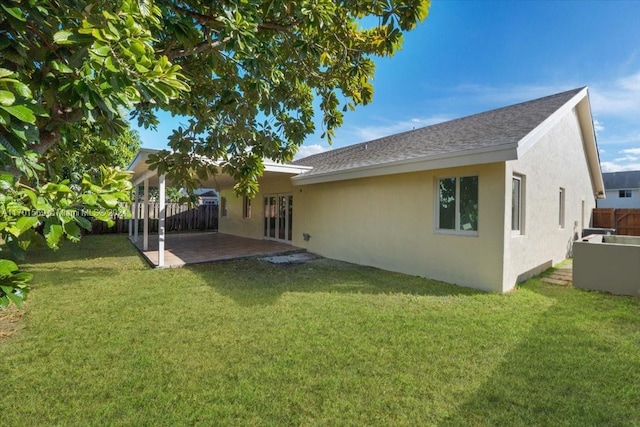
pixel 108 341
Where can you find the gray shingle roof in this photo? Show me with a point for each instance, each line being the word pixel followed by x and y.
pixel 491 129
pixel 621 180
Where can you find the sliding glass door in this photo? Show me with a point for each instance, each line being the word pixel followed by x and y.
pixel 278 217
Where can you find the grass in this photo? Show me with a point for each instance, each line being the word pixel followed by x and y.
pixel 108 341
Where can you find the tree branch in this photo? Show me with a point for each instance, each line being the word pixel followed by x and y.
pixel 47 140
pixel 211 22
pixel 207 19
pixel 202 47
pixel 52 136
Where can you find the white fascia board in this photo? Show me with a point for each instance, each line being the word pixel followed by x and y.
pixel 143 154
pixel 539 131
pixel 472 157
pixel 286 168
pixel 591 146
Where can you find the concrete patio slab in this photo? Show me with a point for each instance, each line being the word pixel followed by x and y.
pixel 193 248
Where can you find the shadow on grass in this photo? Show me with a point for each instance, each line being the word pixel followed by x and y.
pixel 64 276
pixel 256 282
pixel 545 381
pixel 88 248
pixel 91 260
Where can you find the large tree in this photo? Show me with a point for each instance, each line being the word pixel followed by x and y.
pixel 250 75
pixel 71 158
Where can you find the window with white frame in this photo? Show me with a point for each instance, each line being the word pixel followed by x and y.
pixel 246 207
pixel 517 204
pixel 458 204
pixel 561 197
pixel 223 206
pixel 624 194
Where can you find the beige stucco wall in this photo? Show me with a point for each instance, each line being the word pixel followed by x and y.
pixel 610 267
pixel 388 222
pixel 252 227
pixel 556 160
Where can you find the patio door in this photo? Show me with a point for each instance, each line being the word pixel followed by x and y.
pixel 278 217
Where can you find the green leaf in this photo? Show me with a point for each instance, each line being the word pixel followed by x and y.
pixel 5 119
pixel 53 232
pixel 83 222
pixel 7 98
pixel 14 294
pixel 73 231
pixel 20 112
pixel 7 267
pixel 62 37
pixel 109 200
pixel 108 62
pixel 15 249
pixel 21 88
pixel 15 12
pixel 89 199
pixel 61 67
pixel 26 222
pixel 145 7
pixel 137 47
pixel 33 198
pixel 22 277
pixel 101 51
pixel 4 72
pixel 6 180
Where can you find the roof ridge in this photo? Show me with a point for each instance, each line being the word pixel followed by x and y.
pixel 498 129
pixel 376 141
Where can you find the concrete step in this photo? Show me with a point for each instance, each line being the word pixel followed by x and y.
pixel 556 280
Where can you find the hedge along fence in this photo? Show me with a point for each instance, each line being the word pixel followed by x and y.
pixel 178 217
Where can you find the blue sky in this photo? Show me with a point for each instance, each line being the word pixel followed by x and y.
pixel 472 56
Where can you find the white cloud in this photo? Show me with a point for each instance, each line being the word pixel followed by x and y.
pixel 621 98
pixel 631 151
pixel 369 133
pixel 308 150
pixel 597 125
pixel 500 96
pixel 614 167
pixel 626 159
pixel 620 136
pixel 631 82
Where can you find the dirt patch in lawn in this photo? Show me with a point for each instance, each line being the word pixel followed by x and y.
pixel 11 321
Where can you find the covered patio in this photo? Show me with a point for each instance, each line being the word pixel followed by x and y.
pixel 174 250
pixel 193 248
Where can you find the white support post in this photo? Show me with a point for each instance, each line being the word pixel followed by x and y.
pixel 161 214
pixel 131 220
pixel 145 216
pixel 136 214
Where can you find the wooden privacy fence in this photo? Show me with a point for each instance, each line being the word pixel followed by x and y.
pixel 625 221
pixel 178 217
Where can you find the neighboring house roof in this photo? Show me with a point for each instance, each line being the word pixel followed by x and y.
pixel 621 180
pixel 496 135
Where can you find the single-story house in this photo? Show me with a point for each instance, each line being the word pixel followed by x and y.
pixel 622 190
pixel 483 201
pixel 206 197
